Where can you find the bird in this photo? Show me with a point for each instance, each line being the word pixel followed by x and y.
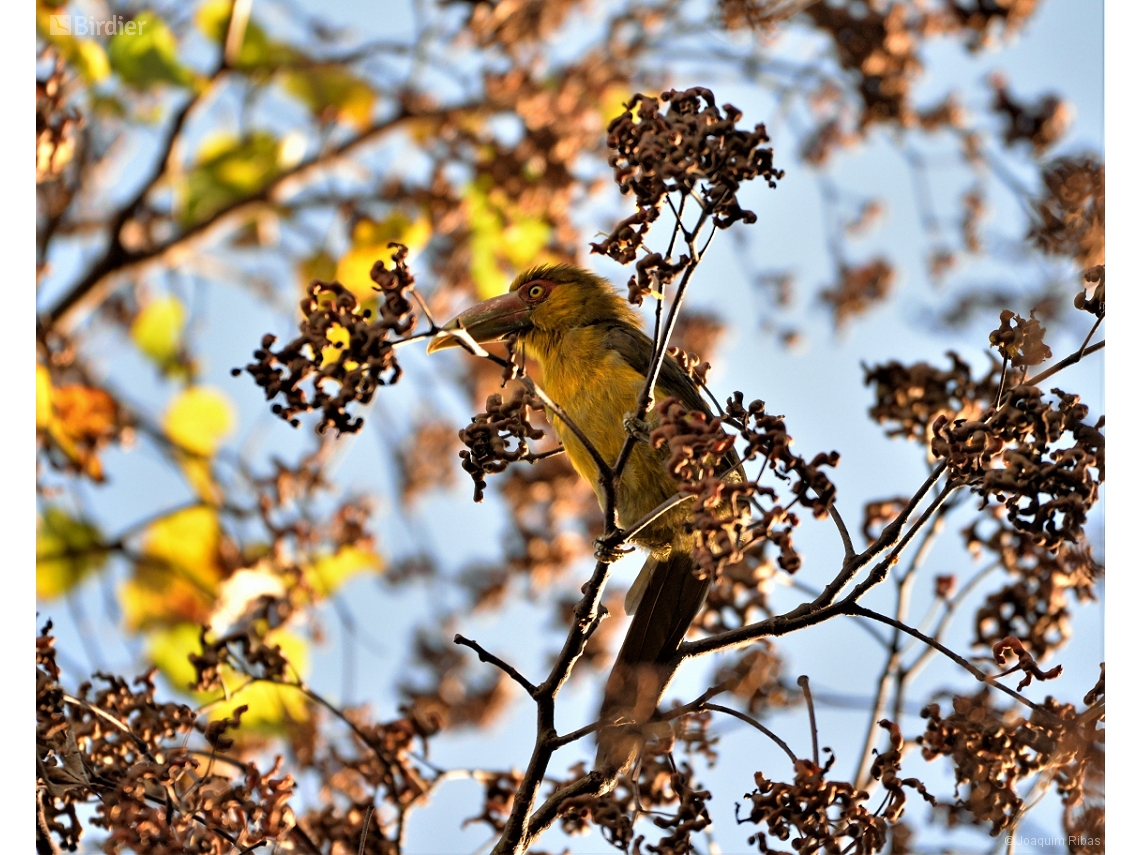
pixel 594 358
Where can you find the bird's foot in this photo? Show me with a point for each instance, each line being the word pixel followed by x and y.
pixel 608 553
pixel 637 428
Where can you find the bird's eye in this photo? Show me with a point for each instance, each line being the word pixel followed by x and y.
pixel 535 292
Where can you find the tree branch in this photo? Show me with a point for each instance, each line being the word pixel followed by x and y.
pixel 509 670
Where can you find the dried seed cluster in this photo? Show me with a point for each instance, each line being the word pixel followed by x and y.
pixel 692 147
pixel 498 437
pixel 815 814
pixel 341 356
pixel 1052 461
pixel 908 398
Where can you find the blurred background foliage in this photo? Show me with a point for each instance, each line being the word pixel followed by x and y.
pixel 194 176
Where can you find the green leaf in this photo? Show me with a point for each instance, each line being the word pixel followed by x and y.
pixel 148 56
pixel 67 551
pixel 228 169
pixel 502 237
pixel 157 331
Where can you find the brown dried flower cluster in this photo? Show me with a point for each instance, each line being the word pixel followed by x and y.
pixel 341 347
pixel 739 593
pixel 427 458
pixel 908 398
pixel 660 783
pixel 1010 647
pixel 993 750
pixel 982 18
pixel 1034 606
pixel 1070 213
pixel 1092 303
pixel 57 126
pixel 859 289
pixel 693 147
pixel 1048 455
pixel 120 749
pixel 886 770
pixel 1022 344
pixel 814 814
pixel 451 696
pixel 755 679
pixel 880 47
pixel 498 436
pixel 703 459
pixel 1040 124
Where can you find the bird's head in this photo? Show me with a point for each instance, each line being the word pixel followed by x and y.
pixel 547 299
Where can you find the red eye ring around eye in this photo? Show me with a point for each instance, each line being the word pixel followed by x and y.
pixel 535 291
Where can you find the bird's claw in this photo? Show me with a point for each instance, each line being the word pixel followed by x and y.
pixel 637 428
pixel 607 553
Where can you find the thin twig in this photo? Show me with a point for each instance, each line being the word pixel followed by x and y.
pixel 805 684
pixel 844 535
pixel 857 610
pixel 509 670
pixel 748 719
pixel 1071 359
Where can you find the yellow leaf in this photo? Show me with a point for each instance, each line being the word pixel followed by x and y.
pixel 270 705
pixel 157 331
pixel 43 398
pixel 177 577
pixel 198 419
pixel 370 239
pixel 188 538
pixel 331 91
pixel 67 550
pixel 78 420
pixel 612 102
pixel 336 335
pixel 524 239
pixel 169 648
pixel 329 572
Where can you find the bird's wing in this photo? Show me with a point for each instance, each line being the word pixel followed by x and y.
pixel 636 348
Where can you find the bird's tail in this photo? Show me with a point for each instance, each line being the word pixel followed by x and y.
pixel 671 599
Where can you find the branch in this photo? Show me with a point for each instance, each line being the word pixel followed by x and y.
pixel 749 720
pixel 509 670
pixel 94 285
pixel 824 606
pixel 857 610
pixel 1071 359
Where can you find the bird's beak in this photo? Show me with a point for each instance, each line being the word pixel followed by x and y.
pixel 491 320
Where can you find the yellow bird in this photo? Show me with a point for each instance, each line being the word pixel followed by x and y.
pixel 594 357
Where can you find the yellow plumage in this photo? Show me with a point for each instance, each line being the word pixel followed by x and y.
pixel 594 359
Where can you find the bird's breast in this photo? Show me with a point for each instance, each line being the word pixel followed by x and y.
pixel 597 388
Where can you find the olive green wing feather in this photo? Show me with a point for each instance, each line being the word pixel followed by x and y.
pixel 636 348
